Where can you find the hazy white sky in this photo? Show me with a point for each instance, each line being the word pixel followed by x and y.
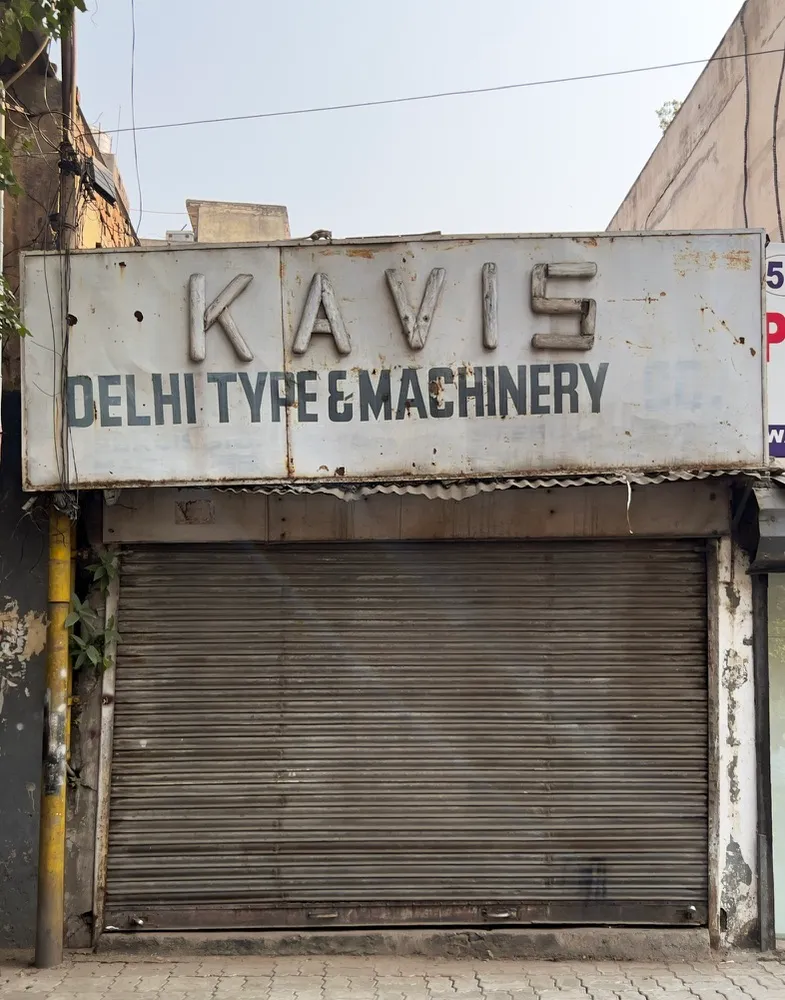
pixel 550 158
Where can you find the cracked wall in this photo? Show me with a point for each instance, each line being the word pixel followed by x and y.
pixel 736 841
pixel 694 179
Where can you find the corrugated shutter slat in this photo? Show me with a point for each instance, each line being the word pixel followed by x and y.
pixel 410 731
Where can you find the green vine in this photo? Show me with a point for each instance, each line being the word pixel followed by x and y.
pixel 105 570
pixel 48 17
pixel 8 181
pixel 11 324
pixel 667 112
pixel 91 638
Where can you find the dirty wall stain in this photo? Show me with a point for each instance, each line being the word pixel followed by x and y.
pixel 22 636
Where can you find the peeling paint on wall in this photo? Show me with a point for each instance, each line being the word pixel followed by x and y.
pixel 737 875
pixel 736 868
pixel 21 637
pixel 734 677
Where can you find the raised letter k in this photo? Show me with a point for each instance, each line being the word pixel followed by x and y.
pixel 202 317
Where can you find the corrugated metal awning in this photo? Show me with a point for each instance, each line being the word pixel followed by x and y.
pixel 464 488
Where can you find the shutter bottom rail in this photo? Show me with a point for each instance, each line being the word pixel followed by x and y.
pixel 491 914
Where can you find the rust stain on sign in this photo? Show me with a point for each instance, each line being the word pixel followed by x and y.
pixel 739 260
pixel 435 389
pixel 365 252
pixel 699 260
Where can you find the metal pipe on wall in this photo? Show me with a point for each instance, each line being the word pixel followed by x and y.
pixel 70 701
pixel 2 209
pixel 2 193
pixel 50 915
pixel 68 180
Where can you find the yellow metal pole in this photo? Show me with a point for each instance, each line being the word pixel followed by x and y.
pixel 51 846
pixel 50 917
pixel 70 700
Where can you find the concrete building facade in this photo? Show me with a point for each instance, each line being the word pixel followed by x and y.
pixel 237 222
pixel 104 220
pixel 699 176
pixel 721 163
pixel 33 133
pixel 447 692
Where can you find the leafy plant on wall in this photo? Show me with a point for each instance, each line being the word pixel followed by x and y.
pixel 91 638
pixel 667 112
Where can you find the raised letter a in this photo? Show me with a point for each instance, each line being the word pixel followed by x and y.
pixel 321 293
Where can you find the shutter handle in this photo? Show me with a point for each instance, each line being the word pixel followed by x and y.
pixel 498 914
pixel 322 916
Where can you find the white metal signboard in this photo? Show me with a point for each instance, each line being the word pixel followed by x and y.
pixel 775 349
pixel 392 359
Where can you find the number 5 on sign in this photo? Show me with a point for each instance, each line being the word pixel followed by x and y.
pixel 775 275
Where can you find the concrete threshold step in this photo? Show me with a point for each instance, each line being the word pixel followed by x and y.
pixel 559 944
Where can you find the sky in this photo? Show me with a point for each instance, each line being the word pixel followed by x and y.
pixel 541 159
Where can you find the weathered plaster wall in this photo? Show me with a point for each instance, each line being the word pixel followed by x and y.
pixel 694 179
pixel 736 840
pixel 23 562
pixel 33 133
pixel 101 223
pixel 33 136
pixel 237 222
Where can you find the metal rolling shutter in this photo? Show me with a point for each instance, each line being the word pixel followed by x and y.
pixel 366 734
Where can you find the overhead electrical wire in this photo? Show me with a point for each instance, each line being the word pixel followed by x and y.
pixel 774 155
pixel 152 211
pixel 498 88
pixel 133 109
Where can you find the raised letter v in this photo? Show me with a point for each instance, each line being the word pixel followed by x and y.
pixel 416 327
